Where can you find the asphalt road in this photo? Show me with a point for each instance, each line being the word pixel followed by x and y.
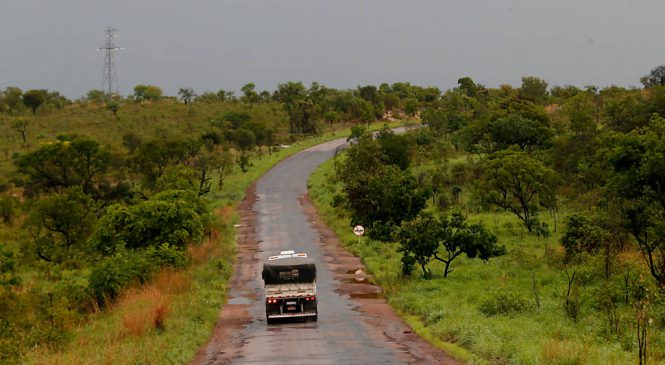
pixel 344 334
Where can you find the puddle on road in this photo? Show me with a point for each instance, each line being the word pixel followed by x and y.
pixel 240 300
pixel 366 296
pixel 357 280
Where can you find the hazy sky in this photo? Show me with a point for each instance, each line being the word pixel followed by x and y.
pixel 223 44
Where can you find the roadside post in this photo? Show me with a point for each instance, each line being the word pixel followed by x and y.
pixel 359 230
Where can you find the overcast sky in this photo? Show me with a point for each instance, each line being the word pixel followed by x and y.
pixel 223 44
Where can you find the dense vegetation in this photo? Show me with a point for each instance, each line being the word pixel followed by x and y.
pixel 106 208
pixel 558 190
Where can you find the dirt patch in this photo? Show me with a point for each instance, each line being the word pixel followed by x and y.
pixel 367 296
pixel 226 340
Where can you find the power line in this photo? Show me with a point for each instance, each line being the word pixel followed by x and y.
pixel 110 81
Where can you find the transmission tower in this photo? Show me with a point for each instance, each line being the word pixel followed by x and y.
pixel 110 83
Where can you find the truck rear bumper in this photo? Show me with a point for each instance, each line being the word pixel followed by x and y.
pixel 292 315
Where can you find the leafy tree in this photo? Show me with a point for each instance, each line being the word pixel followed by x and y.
pixel 204 164
pixel 289 92
pixel 390 101
pixel 520 131
pixel 418 242
pixel 331 116
pixel 95 96
pixel 444 120
pixel 655 78
pixel 225 166
pixel 114 107
pixel 303 116
pixel 69 161
pixel 411 106
pixel 249 95
pixel 636 182
pixel 533 89
pixel 580 110
pixel 237 119
pixel 468 87
pixel 34 98
pixel 20 125
pixel 187 94
pixel 173 217
pixel 147 92
pixel 520 184
pixel 396 148
pixel 8 268
pixel 582 235
pixel 245 141
pixel 379 195
pixel 60 223
pixel 12 97
pixel 426 238
pixel 8 207
pixel 151 158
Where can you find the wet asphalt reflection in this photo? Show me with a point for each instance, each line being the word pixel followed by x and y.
pixel 340 336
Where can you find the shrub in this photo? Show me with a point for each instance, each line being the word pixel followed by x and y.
pixel 166 255
pixel 8 207
pixel 503 303
pixel 116 273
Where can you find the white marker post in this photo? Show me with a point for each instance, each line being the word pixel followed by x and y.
pixel 359 231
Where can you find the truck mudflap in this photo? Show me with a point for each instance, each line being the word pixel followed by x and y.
pixel 292 315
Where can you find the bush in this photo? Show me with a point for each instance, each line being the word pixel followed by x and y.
pixel 166 255
pixel 8 207
pixel 116 273
pixel 502 303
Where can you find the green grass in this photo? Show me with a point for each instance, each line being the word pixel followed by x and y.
pixel 446 310
pixel 192 313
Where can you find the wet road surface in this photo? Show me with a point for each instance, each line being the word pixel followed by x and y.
pixel 354 326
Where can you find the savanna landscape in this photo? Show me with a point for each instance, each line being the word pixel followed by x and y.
pixel 517 225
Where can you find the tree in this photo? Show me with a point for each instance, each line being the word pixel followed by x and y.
pixel 444 120
pixel 533 89
pixel 397 149
pixel 174 217
pixel 426 238
pixel 517 130
pixel 61 222
pixel 518 183
pixel 303 116
pixel 114 107
pixel 20 125
pixel 34 98
pixel 468 87
pixel 380 195
pixel 187 94
pixel 225 166
pixel 245 141
pixel 11 97
pixel 146 93
pixel 331 116
pixel 411 106
pixel 637 165
pixel 69 161
pixel 95 96
pixel 249 95
pixel 151 158
pixel 655 78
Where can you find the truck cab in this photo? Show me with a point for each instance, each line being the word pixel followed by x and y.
pixel 290 287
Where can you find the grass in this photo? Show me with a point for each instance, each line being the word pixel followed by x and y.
pixel 166 321
pixel 447 311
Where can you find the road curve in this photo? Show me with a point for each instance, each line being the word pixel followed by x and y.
pixel 355 325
